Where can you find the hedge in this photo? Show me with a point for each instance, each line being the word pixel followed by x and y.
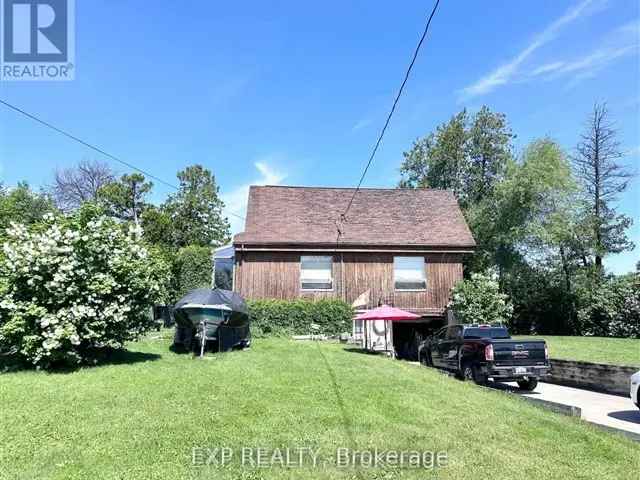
pixel 294 317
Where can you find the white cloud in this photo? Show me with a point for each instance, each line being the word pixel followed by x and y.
pixel 547 68
pixel 620 43
pixel 505 73
pixel 236 200
pixel 588 66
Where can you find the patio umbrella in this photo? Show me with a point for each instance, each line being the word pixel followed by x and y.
pixel 387 313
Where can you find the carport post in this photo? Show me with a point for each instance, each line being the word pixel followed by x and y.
pixel 386 344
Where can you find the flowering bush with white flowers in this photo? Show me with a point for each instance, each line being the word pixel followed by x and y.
pixel 74 286
pixel 479 300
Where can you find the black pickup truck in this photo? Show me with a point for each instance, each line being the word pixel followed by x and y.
pixel 480 352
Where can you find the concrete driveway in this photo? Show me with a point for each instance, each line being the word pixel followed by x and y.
pixel 608 410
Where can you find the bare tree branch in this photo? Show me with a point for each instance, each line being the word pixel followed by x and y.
pixel 74 186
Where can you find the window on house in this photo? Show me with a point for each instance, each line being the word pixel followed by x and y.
pixel 409 273
pixel 315 273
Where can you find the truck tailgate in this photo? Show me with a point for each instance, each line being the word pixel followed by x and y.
pixel 512 352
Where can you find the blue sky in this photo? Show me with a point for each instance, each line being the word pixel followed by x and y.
pixel 296 92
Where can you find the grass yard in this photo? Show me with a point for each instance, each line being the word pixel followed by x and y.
pixel 615 351
pixel 140 419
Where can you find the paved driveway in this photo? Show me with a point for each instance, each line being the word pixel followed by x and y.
pixel 609 410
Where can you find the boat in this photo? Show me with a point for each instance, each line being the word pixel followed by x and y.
pixel 220 317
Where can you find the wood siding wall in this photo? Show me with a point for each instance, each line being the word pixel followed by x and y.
pixel 277 275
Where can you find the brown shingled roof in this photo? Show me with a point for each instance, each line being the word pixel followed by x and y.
pixel 278 215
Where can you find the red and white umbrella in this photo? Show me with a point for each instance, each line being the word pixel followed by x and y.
pixel 386 313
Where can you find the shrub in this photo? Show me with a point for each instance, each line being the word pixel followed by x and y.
pixel 294 317
pixel 74 286
pixel 610 307
pixel 478 300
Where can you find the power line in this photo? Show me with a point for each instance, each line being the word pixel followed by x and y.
pixel 393 108
pixel 103 152
pixel 97 149
pixel 86 144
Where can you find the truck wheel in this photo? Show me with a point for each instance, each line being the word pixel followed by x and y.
pixel 528 384
pixel 474 373
pixel 479 377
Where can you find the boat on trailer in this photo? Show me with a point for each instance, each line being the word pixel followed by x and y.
pixel 211 319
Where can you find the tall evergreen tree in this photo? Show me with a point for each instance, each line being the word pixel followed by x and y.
pixel 125 199
pixel 603 178
pixel 196 210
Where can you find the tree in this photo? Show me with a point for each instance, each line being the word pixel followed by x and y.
pixel 465 155
pixel 196 210
pixel 157 227
pixel 603 178
pixel 74 186
pixel 439 160
pixel 124 199
pixel 22 205
pixel 528 212
pixel 489 151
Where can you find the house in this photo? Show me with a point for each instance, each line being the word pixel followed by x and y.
pixel 402 247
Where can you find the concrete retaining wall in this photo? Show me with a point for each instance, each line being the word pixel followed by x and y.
pixel 594 376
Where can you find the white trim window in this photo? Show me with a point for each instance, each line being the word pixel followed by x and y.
pixel 409 273
pixel 316 273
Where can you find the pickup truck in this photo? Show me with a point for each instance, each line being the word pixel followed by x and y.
pixel 480 352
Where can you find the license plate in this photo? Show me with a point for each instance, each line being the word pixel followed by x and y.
pixel 521 370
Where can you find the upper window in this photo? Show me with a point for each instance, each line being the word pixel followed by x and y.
pixel 315 273
pixel 409 273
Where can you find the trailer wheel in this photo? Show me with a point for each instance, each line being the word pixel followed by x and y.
pixel 422 358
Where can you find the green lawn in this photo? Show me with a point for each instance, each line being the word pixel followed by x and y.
pixel 140 420
pixel 616 351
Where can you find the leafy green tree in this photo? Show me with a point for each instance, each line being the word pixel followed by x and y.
pixel 467 155
pixel 22 205
pixel 489 151
pixel 527 213
pixel 541 302
pixel 125 198
pixel 157 227
pixel 439 160
pixel 196 210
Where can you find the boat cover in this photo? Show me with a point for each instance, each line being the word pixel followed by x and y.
pixel 213 299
